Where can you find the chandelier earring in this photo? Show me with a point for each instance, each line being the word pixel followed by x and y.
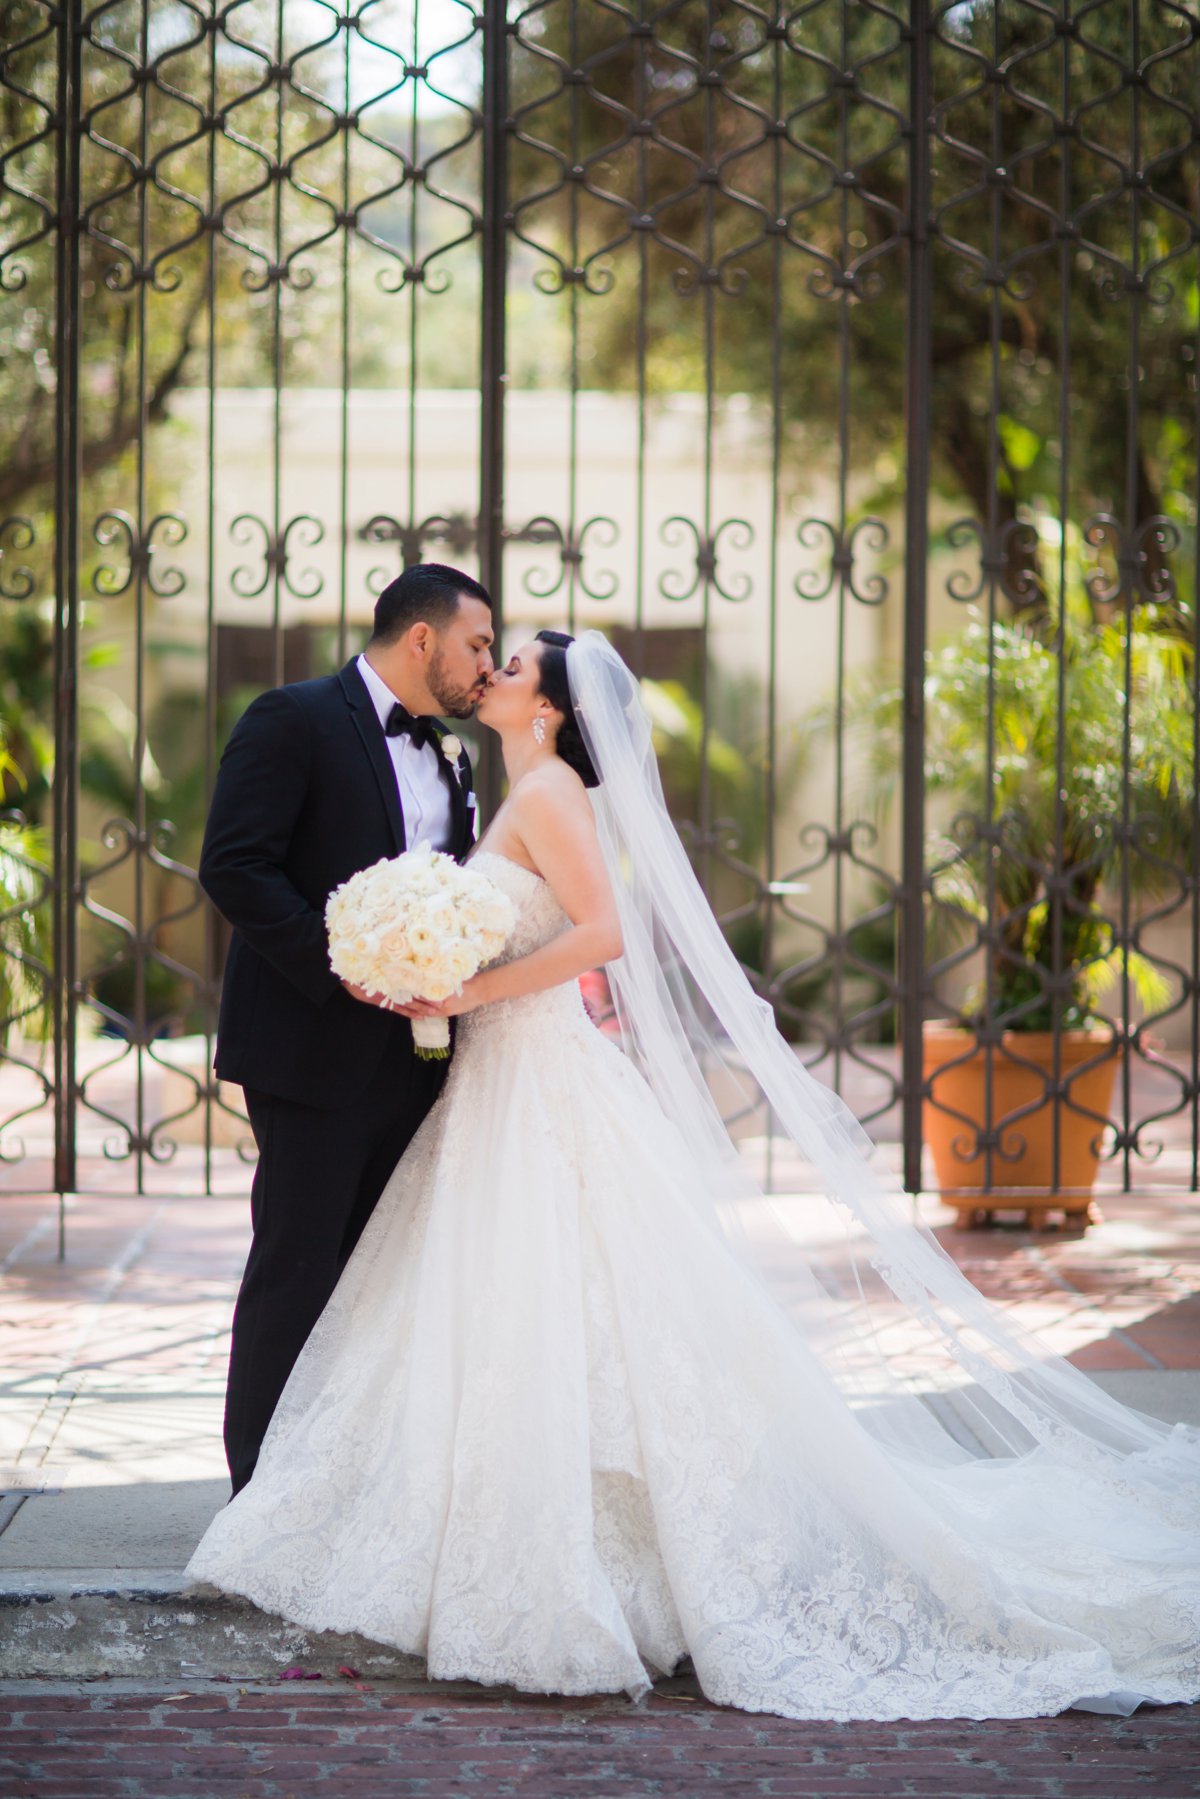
pixel 539 730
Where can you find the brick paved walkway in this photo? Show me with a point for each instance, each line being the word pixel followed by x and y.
pixel 113 1368
pixel 352 1745
pixel 141 1307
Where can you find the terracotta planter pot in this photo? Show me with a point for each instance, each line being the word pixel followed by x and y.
pixel 1022 1070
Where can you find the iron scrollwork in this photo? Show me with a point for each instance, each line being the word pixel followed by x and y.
pixel 729 218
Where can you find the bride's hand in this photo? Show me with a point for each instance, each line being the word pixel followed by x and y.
pixel 418 1008
pixel 473 995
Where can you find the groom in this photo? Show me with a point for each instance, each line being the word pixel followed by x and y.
pixel 318 780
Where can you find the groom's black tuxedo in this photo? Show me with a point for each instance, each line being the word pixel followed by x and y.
pixel 306 795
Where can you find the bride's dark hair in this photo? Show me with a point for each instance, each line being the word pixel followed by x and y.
pixel 554 684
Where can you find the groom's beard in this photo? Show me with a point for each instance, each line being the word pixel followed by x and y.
pixel 453 700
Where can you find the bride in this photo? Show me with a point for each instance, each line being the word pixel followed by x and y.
pixel 587 1401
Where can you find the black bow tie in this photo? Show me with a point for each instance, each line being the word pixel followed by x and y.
pixel 401 723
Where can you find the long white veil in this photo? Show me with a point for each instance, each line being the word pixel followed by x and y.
pixel 942 1376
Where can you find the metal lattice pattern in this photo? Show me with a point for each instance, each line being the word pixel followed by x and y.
pixel 841 358
pixel 219 166
pixel 1065 197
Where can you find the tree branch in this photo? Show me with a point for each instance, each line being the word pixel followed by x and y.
pixel 20 477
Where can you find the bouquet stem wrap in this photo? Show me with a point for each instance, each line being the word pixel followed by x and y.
pixel 416 926
pixel 431 1038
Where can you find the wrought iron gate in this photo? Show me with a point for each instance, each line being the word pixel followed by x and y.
pixel 839 357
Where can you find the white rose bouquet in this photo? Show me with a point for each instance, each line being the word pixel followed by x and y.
pixel 416 926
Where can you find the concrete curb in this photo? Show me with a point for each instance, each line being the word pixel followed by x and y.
pixel 92 1624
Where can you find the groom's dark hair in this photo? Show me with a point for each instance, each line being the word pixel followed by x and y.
pixel 427 593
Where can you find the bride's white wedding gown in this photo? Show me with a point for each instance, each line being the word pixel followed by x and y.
pixel 550 1432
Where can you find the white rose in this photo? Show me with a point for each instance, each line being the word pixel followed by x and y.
pixel 416 923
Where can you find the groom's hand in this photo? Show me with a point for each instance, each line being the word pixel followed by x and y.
pixel 419 1008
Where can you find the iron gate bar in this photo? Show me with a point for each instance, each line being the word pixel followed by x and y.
pixel 918 341
pixel 209 1094
pixel 772 709
pixel 493 345
pixel 983 78
pixel 1191 989
pixel 1129 592
pixel 65 974
pixel 1057 950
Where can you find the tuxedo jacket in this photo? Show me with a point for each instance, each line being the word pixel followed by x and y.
pixel 306 795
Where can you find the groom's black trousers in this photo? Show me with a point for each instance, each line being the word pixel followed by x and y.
pixel 319 1176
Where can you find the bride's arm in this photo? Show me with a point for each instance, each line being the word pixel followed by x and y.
pixel 552 818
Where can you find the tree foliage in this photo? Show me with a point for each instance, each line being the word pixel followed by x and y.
pixel 729 199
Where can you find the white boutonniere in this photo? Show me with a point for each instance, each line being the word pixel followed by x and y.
pixel 451 747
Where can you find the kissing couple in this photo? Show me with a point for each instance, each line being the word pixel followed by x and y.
pixel 529 1376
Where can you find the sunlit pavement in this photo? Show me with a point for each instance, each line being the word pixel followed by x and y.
pixel 114 1359
pixel 110 1403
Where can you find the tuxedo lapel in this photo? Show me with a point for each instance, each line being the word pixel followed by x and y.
pixel 457 775
pixel 452 774
pixel 374 742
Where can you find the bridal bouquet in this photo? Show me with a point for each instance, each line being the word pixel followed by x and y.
pixel 416 926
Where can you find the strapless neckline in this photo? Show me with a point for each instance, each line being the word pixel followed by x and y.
pixel 496 856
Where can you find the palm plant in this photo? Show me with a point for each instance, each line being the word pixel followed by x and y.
pixel 25 928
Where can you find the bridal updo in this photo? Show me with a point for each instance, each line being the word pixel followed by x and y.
pixel 555 685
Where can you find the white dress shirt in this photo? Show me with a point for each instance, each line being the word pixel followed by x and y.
pixel 424 793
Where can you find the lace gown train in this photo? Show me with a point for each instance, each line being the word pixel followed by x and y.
pixel 549 1432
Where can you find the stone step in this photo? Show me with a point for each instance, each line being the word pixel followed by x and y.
pixel 156 1629
pixel 151 1626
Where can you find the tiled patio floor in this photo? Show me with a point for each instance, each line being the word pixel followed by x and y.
pixel 137 1315
pixel 113 1372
